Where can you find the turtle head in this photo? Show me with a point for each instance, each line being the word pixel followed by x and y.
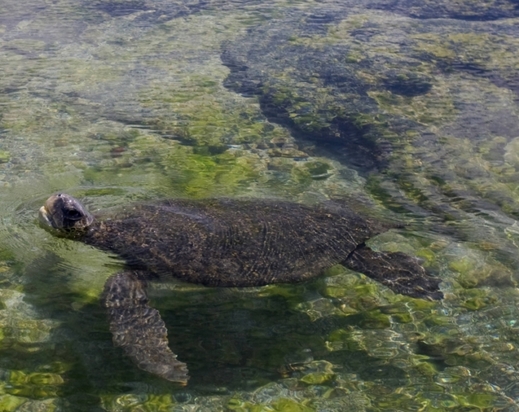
pixel 65 215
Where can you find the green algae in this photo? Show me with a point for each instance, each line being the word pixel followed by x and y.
pixel 457 9
pixel 5 156
pixel 10 403
pixel 278 405
pixel 36 385
pixel 289 405
pixel 200 176
pixel 462 265
pixel 318 170
pixel 137 402
pixel 430 109
pixel 484 49
pixel 476 299
pixel 204 116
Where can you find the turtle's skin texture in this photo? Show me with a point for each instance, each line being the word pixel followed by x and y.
pixel 226 243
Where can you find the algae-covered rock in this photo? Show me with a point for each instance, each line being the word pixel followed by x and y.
pixel 311 86
pixel 433 104
pixel 4 156
pixel 462 10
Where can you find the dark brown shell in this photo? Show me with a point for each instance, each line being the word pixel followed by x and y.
pixel 224 242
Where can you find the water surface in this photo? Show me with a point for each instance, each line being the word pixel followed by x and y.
pixel 410 108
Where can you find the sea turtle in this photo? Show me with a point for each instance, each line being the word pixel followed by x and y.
pixel 222 242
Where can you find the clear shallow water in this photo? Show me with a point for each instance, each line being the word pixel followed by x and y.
pixel 127 101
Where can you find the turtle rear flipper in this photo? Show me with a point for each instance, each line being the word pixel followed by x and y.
pixel 399 272
pixel 139 329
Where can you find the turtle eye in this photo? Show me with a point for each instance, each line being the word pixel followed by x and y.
pixel 73 214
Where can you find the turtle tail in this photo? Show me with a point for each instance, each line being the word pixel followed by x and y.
pixel 138 328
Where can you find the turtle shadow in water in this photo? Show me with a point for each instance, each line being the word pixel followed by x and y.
pixel 249 339
pixel 231 339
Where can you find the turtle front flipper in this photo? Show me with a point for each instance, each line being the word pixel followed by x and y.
pixel 399 272
pixel 139 329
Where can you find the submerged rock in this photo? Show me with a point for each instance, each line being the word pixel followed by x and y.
pixel 461 10
pixel 431 104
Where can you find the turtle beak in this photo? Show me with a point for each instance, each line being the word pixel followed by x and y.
pixel 47 211
pixel 43 216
